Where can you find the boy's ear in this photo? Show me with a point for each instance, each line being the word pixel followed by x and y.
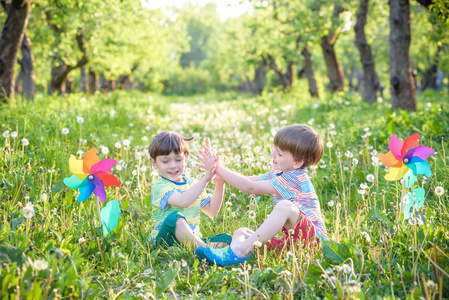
pixel 153 163
pixel 298 164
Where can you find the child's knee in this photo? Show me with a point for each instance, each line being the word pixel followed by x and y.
pixel 181 222
pixel 286 206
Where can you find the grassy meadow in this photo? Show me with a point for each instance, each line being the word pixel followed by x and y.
pixel 52 247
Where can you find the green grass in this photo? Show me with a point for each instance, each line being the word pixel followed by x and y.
pixel 372 251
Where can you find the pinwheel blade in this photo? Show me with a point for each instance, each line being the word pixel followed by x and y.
pixel 409 178
pixel 85 191
pixel 395 146
pixel 76 167
pixel 99 188
pixel 389 160
pixel 109 179
pixel 74 182
pixel 396 173
pixel 415 200
pixel 421 151
pixel 89 160
pixel 410 143
pixel 103 165
pixel 110 215
pixel 419 166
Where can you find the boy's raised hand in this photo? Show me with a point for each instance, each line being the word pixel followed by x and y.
pixel 208 160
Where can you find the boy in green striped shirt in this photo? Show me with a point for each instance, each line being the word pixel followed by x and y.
pixel 177 200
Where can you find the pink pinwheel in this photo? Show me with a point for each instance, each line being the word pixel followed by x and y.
pixel 91 175
pixel 406 159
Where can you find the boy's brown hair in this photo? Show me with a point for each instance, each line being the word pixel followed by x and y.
pixel 302 141
pixel 169 141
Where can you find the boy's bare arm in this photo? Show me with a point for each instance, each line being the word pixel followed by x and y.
pixel 213 207
pixel 243 183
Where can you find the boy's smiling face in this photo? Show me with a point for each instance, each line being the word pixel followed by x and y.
pixel 170 166
pixel 284 160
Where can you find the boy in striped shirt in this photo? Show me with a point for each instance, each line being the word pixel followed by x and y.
pixel 297 210
pixel 177 200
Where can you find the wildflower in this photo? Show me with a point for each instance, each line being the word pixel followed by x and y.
pixel 412 221
pixel 366 236
pixel 332 132
pixel 311 121
pixel 439 191
pixel 105 150
pixel 363 186
pixel 349 154
pixel 14 134
pixel 228 203
pixel 40 264
pixel 25 142
pixel 134 172
pixel 252 214
pixel 346 268
pixel 355 161
pixel 431 285
pixel 126 142
pixel 28 211
pixel 80 120
pixel 65 131
pixel 370 177
pixel 82 240
pixel 329 144
pixel 144 138
pixel 257 244
pixel 332 126
pixel 65 251
pixel 331 203
pixel 112 113
pixel 118 145
pixel 361 192
pixel 44 197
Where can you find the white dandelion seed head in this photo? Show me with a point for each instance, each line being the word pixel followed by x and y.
pixel 25 142
pixel 40 264
pixel 439 191
pixel 370 177
pixel 65 131
pixel 118 167
pixel 118 145
pixel 331 203
pixel 14 134
pixel 126 142
pixel 105 150
pixel 80 120
pixel 28 211
pixel 329 144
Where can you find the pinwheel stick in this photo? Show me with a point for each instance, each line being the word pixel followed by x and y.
pixel 98 210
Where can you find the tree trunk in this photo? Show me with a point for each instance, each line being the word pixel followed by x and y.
pixel 17 12
pixel 309 71
pixel 284 78
pixel 401 79
pixel 260 75
pixel 69 85
pixel 27 75
pixel 83 81
pixel 370 79
pixel 59 72
pixel 334 70
pixel 93 81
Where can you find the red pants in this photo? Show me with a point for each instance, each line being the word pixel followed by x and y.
pixel 303 231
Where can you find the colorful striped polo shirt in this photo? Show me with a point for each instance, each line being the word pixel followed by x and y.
pixel 295 186
pixel 161 189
